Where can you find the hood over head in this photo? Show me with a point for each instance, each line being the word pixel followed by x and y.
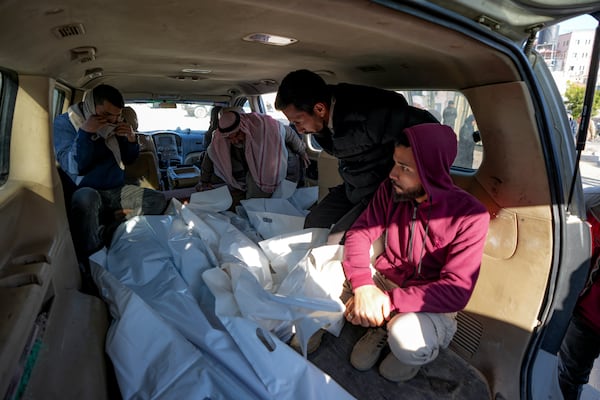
pixel 434 147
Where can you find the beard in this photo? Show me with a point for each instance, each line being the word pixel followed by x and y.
pixel 409 194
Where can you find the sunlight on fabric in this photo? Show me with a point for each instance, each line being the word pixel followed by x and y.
pixel 130 224
pixel 248 253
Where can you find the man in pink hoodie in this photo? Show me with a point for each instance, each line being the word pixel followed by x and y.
pixel 434 233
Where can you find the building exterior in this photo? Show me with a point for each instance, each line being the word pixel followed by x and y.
pixel 573 53
pixel 567 55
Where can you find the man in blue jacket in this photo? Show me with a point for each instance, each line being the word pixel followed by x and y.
pixel 92 145
pixel 356 124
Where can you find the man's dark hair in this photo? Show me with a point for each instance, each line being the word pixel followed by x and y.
pixel 401 139
pixel 302 89
pixel 108 93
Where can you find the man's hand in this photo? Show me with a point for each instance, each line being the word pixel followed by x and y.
pixel 369 306
pixel 124 129
pixel 93 123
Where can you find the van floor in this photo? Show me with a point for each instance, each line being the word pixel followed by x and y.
pixel 447 377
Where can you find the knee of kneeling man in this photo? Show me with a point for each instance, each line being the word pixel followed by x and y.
pixel 410 352
pixel 415 357
pixel 411 341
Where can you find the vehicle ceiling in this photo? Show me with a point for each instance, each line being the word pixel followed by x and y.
pixel 142 47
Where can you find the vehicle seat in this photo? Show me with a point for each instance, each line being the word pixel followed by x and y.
pixel 329 175
pixel 194 158
pixel 144 171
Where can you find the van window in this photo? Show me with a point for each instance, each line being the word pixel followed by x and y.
pixel 59 100
pixel 247 107
pixel 452 108
pixel 458 116
pixel 8 92
pixel 268 100
pixel 179 117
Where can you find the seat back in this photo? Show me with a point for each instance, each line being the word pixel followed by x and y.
pixel 144 171
pixel 195 158
pixel 329 175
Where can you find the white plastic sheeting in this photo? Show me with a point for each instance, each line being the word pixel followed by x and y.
pixel 200 309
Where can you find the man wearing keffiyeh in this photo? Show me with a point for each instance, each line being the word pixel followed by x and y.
pixel 250 153
pixel 92 145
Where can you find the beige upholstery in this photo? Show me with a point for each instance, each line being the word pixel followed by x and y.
pixel 496 326
pixel 328 173
pixel 144 171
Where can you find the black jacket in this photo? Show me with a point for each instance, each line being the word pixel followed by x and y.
pixel 365 123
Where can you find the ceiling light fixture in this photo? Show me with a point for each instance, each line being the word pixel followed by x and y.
pixel 196 71
pixel 267 38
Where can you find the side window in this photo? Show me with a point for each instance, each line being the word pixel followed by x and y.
pixel 59 101
pixel 246 107
pixel 452 108
pixel 268 100
pixel 449 107
pixel 8 93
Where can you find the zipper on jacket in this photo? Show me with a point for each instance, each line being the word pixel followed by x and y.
pixel 413 221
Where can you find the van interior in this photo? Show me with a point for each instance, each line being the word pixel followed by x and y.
pixel 536 253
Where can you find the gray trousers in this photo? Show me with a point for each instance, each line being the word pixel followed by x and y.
pixel 415 338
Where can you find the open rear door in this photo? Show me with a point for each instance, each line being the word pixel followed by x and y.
pixel 51 335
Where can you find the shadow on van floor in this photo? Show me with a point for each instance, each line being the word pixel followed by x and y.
pixel 447 377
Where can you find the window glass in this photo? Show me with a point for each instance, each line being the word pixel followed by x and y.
pixel 269 103
pixel 180 117
pixel 4 155
pixel 59 96
pixel 452 108
pixel 8 93
pixel 246 107
pixel 458 116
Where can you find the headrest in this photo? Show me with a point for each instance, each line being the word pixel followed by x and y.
pixel 128 114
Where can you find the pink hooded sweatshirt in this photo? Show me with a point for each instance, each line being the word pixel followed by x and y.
pixel 433 250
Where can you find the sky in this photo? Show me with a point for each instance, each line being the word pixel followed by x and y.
pixel 578 23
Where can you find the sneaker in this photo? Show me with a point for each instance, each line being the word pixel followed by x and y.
pixel 313 343
pixel 367 350
pixel 393 370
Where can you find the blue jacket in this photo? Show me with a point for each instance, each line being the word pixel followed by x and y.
pixel 89 162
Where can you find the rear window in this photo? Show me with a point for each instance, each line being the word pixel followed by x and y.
pixel 452 108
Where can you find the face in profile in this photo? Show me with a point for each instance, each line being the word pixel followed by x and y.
pixel 405 177
pixel 305 122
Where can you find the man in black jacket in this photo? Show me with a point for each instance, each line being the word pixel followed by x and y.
pixel 356 124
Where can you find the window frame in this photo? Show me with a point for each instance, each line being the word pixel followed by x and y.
pixel 8 94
